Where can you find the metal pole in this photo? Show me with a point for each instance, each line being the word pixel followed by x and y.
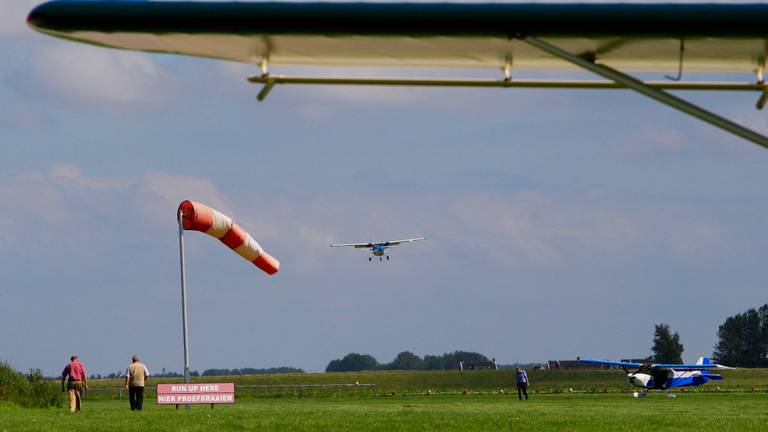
pixel 641 87
pixel 183 301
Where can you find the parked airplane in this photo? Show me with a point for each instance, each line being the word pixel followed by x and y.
pixel 608 40
pixel 656 376
pixel 377 249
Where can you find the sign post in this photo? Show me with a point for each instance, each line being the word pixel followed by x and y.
pixel 202 393
pixel 179 217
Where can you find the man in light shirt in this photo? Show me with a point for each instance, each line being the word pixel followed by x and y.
pixel 77 382
pixel 135 378
pixel 522 383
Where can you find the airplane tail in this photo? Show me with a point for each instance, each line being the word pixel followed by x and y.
pixel 705 373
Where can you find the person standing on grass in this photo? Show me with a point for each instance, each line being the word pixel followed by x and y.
pixel 135 378
pixel 522 383
pixel 76 379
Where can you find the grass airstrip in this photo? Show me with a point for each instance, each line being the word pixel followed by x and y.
pixel 598 402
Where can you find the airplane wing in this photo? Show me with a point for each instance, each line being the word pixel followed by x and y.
pixel 355 245
pixel 613 363
pixel 397 242
pixel 608 40
pixel 718 37
pixel 690 367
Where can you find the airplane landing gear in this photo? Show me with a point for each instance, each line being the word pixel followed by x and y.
pixel 369 259
pixel 380 259
pixel 387 257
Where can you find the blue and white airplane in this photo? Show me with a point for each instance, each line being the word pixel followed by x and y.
pixel 378 249
pixel 659 376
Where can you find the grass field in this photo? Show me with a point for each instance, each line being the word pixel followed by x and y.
pixel 562 412
pixel 544 381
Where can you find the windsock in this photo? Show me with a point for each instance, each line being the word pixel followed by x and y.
pixel 200 217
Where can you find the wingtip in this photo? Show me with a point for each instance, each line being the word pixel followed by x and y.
pixel 34 19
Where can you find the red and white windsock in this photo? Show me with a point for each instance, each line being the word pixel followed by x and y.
pixel 200 217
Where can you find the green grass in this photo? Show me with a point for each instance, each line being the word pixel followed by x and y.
pixel 564 412
pixel 545 381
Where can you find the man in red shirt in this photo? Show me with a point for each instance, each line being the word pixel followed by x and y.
pixel 77 382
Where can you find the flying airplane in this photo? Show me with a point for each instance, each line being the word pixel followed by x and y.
pixel 609 40
pixel 657 376
pixel 377 249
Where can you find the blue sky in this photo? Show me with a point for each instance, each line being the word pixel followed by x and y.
pixel 559 223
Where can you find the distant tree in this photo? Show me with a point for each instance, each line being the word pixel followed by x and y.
pixel 353 362
pixel 406 360
pixel 434 362
pixel 763 316
pixel 666 346
pixel 250 371
pixel 453 359
pixel 743 339
pixel 753 350
pixel 449 361
pixel 728 347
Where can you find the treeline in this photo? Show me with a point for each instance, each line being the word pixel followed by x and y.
pixel 30 390
pixel 406 360
pixel 251 371
pixel 743 339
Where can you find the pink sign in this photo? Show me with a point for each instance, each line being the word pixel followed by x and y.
pixel 202 393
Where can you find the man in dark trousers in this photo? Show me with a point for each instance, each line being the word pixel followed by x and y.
pixel 77 381
pixel 522 383
pixel 135 377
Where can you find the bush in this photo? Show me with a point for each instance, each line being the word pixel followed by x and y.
pixel 31 391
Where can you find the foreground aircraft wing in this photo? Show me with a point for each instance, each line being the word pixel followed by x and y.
pixel 718 37
pixel 355 245
pixel 397 242
pixel 613 363
pixel 608 40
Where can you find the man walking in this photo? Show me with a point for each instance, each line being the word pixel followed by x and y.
pixel 77 381
pixel 522 383
pixel 135 377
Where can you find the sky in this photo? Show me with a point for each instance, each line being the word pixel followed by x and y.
pixel 559 223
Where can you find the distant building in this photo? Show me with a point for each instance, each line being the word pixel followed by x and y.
pixel 478 365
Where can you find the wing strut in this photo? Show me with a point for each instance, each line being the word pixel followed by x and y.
pixel 641 87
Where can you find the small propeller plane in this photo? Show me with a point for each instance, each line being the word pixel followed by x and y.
pixel 377 249
pixel 659 376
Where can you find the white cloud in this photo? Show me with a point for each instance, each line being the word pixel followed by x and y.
pixel 96 74
pixel 66 174
pixel 176 188
pixel 522 228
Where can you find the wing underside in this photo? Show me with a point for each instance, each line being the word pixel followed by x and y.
pixel 609 40
pixel 717 38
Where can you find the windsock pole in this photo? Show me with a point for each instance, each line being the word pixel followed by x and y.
pixel 183 300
